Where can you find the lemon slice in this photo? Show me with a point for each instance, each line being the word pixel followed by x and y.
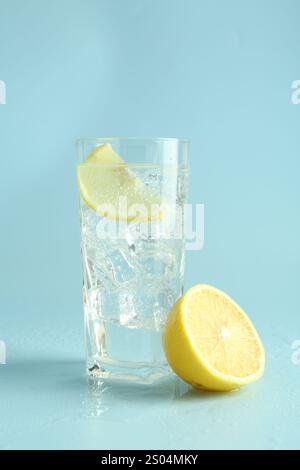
pixel 109 187
pixel 104 154
pixel 210 342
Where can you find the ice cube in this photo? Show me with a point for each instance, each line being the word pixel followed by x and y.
pixel 119 266
pixel 165 301
pixel 89 221
pixel 136 231
pixel 128 313
pixel 158 264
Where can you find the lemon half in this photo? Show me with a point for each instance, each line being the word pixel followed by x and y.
pixel 211 343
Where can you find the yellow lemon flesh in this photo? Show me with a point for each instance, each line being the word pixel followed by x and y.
pixel 211 343
pixel 108 186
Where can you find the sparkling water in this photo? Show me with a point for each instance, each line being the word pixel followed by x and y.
pixel 131 280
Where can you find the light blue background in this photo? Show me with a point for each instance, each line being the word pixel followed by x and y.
pixel 217 72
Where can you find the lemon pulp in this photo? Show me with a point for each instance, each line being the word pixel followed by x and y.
pixel 210 342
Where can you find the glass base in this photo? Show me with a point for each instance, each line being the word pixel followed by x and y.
pixel 143 373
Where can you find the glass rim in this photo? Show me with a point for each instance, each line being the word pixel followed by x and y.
pixel 136 139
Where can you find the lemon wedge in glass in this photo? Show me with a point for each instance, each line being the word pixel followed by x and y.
pixel 107 185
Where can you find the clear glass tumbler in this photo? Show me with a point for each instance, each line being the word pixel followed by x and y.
pixel 132 196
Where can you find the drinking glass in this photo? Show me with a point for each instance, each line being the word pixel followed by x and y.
pixel 132 197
